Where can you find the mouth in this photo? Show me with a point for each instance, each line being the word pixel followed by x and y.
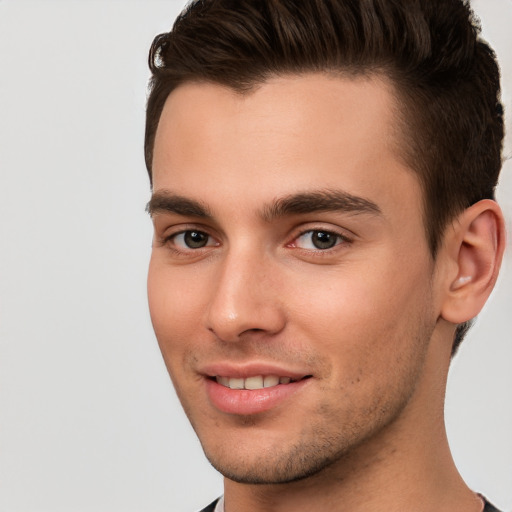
pixel 253 393
pixel 256 382
pixel 254 387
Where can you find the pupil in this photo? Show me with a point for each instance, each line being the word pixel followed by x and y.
pixel 323 240
pixel 195 239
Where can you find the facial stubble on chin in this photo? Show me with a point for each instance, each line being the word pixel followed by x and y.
pixel 317 449
pixel 300 461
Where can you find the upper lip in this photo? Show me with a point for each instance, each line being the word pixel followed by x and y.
pixel 244 371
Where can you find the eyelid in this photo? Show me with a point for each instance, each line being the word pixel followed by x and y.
pixel 183 246
pixel 344 234
pixel 172 232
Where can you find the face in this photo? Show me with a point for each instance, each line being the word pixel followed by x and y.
pixel 290 283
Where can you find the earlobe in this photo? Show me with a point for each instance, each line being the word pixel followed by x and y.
pixel 476 246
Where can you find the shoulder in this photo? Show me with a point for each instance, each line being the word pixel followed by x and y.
pixel 211 507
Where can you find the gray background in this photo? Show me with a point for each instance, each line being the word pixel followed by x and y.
pixel 88 417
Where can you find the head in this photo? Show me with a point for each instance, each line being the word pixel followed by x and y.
pixel 432 86
pixel 445 78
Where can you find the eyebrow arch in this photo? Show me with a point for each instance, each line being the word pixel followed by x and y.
pixel 319 201
pixel 164 201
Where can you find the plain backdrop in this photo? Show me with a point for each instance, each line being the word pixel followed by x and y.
pixel 88 418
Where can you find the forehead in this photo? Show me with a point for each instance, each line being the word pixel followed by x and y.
pixel 287 135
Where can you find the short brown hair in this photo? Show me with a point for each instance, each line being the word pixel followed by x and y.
pixel 445 76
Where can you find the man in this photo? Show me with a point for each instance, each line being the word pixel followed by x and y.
pixel 323 178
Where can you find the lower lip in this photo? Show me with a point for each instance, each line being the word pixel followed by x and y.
pixel 248 401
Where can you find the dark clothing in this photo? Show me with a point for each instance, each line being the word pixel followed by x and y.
pixel 211 507
pixel 488 507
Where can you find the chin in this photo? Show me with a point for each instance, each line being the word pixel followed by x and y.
pixel 296 465
pixel 265 460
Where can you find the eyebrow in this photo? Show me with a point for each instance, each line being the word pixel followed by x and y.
pixel 294 204
pixel 166 202
pixel 319 201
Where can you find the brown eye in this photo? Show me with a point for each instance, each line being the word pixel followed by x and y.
pixel 318 240
pixel 324 240
pixel 192 239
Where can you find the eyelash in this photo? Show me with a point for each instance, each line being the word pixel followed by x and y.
pixel 339 240
pixel 170 241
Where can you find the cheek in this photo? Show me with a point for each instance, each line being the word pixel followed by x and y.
pixel 175 309
pixel 365 318
pixel 175 305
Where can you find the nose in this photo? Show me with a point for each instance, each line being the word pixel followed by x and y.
pixel 245 299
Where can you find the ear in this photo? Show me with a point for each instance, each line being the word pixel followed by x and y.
pixel 475 248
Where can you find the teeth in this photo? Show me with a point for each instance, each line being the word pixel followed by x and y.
pixel 236 383
pixel 224 381
pixel 270 380
pixel 255 382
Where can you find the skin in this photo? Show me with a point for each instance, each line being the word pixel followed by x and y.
pixel 370 319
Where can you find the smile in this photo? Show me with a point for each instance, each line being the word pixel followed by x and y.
pixel 254 382
pixel 253 394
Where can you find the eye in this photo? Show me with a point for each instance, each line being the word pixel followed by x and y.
pixel 318 240
pixel 192 239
